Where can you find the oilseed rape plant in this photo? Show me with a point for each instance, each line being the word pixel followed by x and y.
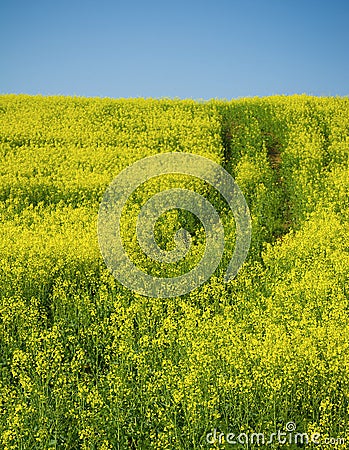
pixel 87 363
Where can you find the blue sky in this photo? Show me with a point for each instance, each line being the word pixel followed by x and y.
pixel 194 49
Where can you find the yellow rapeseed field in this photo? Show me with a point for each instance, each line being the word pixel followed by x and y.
pixel 87 364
